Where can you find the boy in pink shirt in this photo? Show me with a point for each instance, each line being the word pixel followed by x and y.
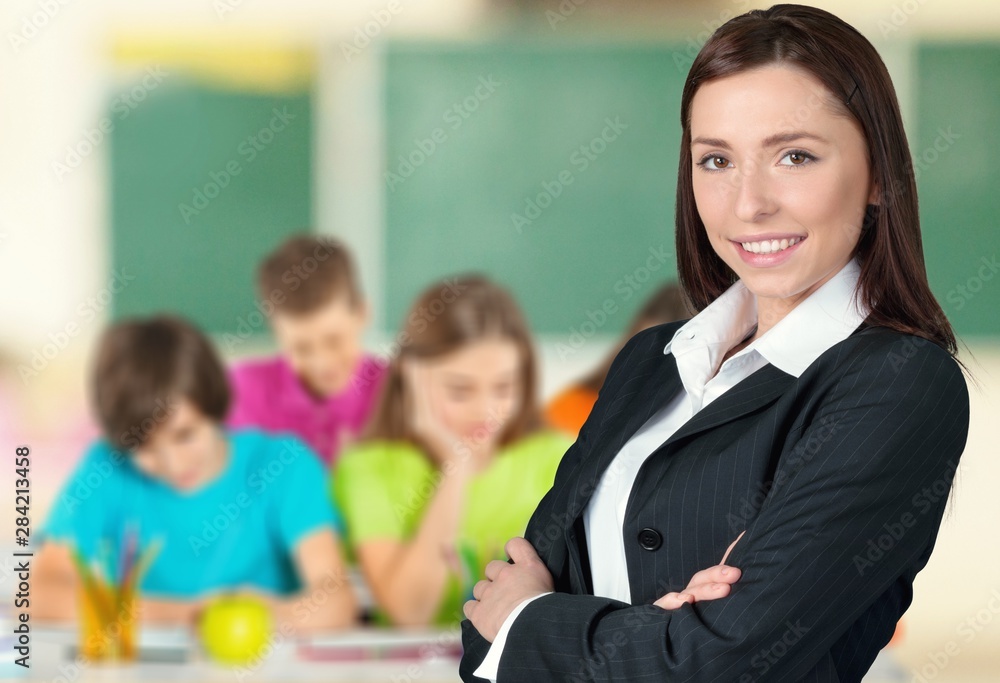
pixel 323 386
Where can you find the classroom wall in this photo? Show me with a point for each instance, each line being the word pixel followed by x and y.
pixel 53 231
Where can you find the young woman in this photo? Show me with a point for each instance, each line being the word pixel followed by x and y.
pixel 235 511
pixel 455 459
pixel 813 410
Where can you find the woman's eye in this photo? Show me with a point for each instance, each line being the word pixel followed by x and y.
pixel 714 163
pixel 797 158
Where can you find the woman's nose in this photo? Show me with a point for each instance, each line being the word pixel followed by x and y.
pixel 753 198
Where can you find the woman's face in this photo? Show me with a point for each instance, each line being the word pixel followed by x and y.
pixel 775 169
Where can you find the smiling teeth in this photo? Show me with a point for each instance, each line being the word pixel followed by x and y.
pixel 770 247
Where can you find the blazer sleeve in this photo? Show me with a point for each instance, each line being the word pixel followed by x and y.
pixel 853 507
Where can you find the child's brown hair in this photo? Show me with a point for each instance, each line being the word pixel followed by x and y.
pixel 306 272
pixel 144 366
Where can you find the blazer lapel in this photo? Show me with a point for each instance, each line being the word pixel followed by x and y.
pixel 636 401
pixel 651 385
pixel 638 398
pixel 762 387
pixel 631 410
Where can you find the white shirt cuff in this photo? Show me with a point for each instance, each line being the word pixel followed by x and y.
pixel 491 662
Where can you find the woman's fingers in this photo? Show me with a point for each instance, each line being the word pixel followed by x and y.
pixel 730 548
pixel 708 584
pixel 708 591
pixel 494 567
pixel 700 593
pixel 477 590
pixel 720 573
pixel 520 550
pixel 674 600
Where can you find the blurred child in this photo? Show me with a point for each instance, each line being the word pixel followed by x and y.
pixel 322 387
pixel 454 461
pixel 569 409
pixel 234 510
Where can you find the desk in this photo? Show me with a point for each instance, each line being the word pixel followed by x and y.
pixel 172 654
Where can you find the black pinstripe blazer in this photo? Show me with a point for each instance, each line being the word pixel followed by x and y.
pixel 840 478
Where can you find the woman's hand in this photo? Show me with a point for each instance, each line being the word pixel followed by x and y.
pixel 506 586
pixel 708 584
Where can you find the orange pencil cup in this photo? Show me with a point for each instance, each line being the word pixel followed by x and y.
pixel 108 619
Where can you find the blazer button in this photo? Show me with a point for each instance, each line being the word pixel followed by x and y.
pixel 650 539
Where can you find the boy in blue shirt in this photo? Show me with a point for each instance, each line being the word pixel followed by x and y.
pixel 234 510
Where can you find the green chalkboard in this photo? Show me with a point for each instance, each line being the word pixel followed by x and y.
pixel 551 168
pixel 462 158
pixel 204 181
pixel 958 107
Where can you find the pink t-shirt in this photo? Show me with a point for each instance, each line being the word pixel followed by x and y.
pixel 269 395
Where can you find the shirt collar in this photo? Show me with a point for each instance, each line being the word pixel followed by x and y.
pixel 827 316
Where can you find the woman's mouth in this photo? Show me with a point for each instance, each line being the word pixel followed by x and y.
pixel 766 253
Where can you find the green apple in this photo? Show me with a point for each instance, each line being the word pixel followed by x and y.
pixel 235 629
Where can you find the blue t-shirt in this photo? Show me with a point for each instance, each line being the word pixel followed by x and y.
pixel 240 529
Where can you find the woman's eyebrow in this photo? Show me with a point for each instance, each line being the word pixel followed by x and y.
pixel 770 141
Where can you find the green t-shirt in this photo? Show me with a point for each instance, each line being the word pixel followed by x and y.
pixel 382 488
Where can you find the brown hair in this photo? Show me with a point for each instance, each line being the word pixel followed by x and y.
pixel 667 304
pixel 893 282
pixel 143 366
pixel 445 317
pixel 306 272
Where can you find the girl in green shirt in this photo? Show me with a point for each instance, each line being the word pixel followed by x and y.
pixel 455 459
